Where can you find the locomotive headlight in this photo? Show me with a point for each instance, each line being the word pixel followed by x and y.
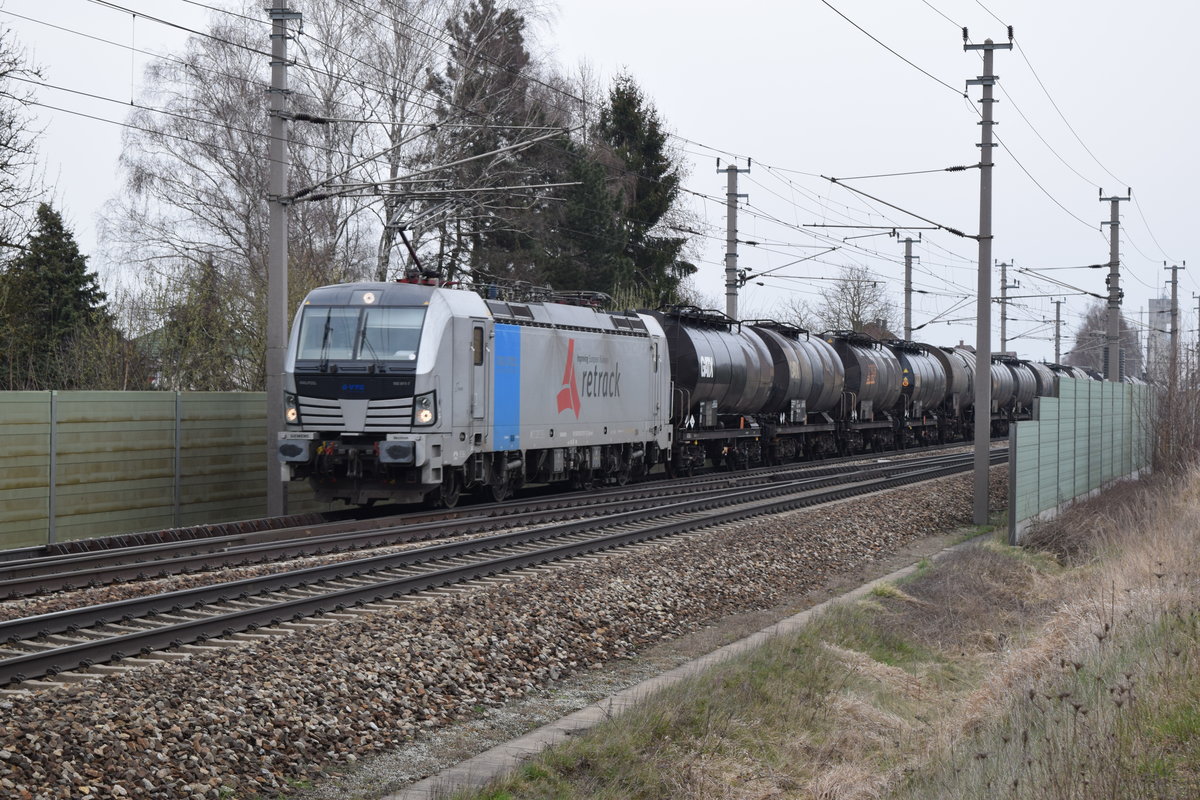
pixel 291 409
pixel 425 409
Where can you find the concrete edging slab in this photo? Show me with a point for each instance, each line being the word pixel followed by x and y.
pixel 501 759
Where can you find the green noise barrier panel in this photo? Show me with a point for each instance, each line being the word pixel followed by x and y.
pixel 79 465
pixel 1092 434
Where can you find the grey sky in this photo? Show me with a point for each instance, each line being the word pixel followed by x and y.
pixel 798 89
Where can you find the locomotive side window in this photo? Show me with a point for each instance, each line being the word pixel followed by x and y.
pixel 477 345
pixel 390 333
pixel 327 333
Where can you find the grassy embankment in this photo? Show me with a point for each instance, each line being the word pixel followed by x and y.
pixel 1066 670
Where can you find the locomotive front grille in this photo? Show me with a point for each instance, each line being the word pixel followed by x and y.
pixel 317 412
pixel 382 416
pixel 389 415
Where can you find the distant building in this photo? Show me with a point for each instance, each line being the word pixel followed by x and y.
pixel 1158 336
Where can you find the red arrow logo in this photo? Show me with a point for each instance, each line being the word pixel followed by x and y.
pixel 568 396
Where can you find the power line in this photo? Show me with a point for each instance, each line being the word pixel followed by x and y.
pixel 940 226
pixel 1038 133
pixel 230 12
pixel 1154 238
pixel 912 172
pixel 927 243
pixel 893 52
pixel 166 112
pixel 150 53
pixel 1036 183
pixel 1062 116
pixel 178 26
pixel 940 14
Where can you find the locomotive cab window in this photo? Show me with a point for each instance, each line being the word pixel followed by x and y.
pixel 391 334
pixel 370 334
pixel 327 333
pixel 477 345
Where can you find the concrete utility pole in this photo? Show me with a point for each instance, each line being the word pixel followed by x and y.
pixel 1196 297
pixel 983 303
pixel 277 249
pixel 1174 358
pixel 1058 330
pixel 1144 327
pixel 731 198
pixel 1004 287
pixel 908 290
pixel 1112 371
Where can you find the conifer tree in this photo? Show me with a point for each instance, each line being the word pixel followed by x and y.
pixel 48 301
pixel 649 188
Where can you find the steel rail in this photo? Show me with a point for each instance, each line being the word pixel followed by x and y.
pixel 44 575
pixel 182 538
pixel 170 602
pixel 84 654
pixel 62 621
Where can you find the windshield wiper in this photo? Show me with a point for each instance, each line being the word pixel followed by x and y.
pixel 324 360
pixel 376 361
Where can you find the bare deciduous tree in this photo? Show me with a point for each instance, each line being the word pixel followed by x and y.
pixel 853 301
pixel 1091 339
pixel 20 183
pixel 431 117
pixel 196 172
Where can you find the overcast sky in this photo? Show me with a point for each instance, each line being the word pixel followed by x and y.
pixel 1097 94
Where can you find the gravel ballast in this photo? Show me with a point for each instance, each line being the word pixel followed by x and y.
pixel 269 716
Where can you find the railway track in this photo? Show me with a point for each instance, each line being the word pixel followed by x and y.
pixel 44 574
pixel 68 645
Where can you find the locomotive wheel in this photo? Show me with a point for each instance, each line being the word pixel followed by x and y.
pixel 451 490
pixel 501 491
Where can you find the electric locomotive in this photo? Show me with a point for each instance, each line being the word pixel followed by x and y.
pixel 409 392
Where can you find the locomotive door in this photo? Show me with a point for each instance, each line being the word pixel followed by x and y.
pixel 478 370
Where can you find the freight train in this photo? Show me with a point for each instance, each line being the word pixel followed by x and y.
pixel 411 392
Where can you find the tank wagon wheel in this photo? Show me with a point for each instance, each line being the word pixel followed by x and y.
pixel 583 481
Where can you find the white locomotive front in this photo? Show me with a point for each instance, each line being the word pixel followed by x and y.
pixel 408 392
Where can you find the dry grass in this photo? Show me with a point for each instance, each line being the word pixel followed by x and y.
pixel 994 673
pixel 1105 701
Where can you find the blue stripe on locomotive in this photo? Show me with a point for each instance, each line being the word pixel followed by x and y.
pixel 506 388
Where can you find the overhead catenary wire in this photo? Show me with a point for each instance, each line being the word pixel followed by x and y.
pixel 706 198
pixel 940 226
pixel 873 38
pixel 166 112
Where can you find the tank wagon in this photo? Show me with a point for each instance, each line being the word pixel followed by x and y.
pixel 412 392
pixel 925 384
pixel 747 393
pixel 872 378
